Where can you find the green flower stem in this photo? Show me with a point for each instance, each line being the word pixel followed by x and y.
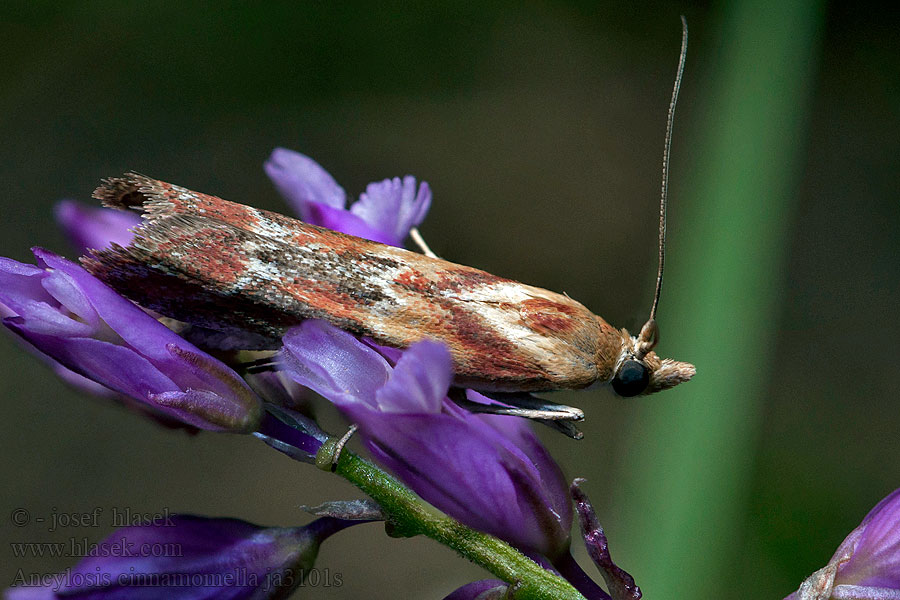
pixel 410 516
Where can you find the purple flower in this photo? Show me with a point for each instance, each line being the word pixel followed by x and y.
pixel 867 563
pixel 189 557
pixel 385 212
pixel 79 322
pixel 490 472
pixel 88 227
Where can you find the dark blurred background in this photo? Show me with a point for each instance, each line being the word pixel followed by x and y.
pixel 539 126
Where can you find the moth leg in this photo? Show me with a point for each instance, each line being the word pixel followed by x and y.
pixel 566 428
pixel 556 416
pixel 541 408
pixel 259 365
pixel 420 242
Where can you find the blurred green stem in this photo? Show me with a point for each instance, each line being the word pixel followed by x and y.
pixel 692 457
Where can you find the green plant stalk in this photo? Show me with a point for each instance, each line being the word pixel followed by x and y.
pixel 693 455
pixel 410 516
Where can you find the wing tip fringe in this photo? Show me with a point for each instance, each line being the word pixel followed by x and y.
pixel 130 191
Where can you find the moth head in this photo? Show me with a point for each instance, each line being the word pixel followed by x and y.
pixel 641 371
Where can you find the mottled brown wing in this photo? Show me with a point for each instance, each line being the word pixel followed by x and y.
pixel 240 270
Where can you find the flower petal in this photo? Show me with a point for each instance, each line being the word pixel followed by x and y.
pixel 875 560
pixel 384 213
pixel 20 282
pixel 303 182
pixel 93 228
pixel 333 363
pixel 419 381
pixel 27 295
pixel 393 206
pixel 345 221
pixel 621 585
pixel 66 292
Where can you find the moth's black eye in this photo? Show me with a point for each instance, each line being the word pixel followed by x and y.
pixel 632 378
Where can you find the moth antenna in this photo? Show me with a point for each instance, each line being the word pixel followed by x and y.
pixel 649 335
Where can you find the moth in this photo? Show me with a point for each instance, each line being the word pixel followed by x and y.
pixel 245 275
pixel 239 270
